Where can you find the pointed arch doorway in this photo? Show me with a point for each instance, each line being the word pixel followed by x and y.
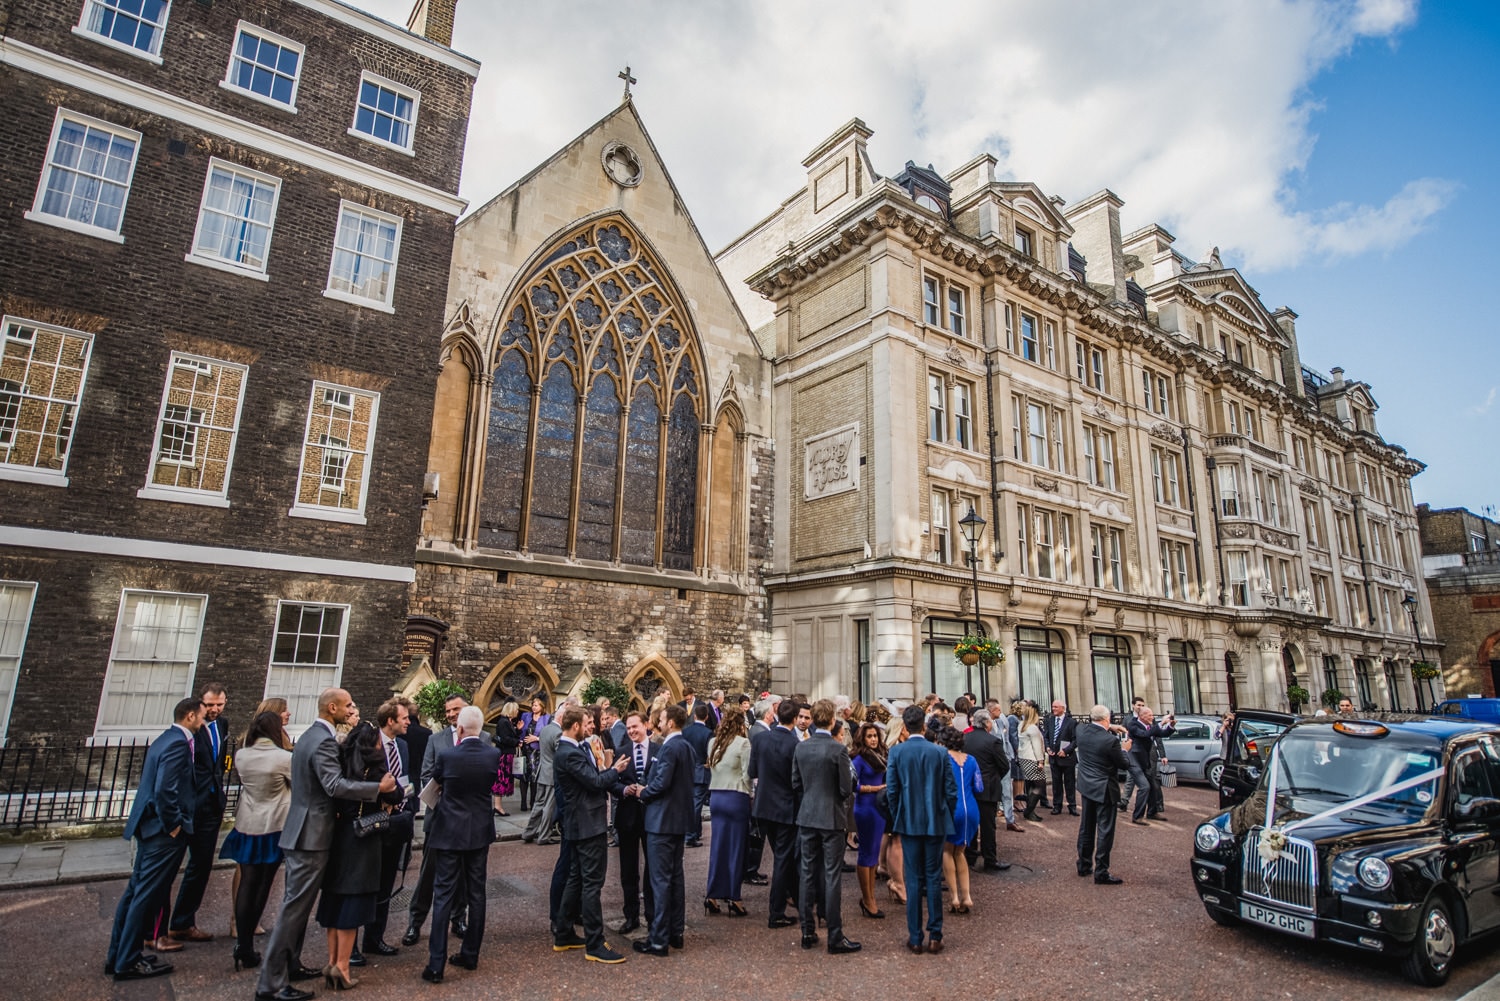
pixel 651 676
pixel 522 675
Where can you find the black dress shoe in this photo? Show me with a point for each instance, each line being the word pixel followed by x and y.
pixel 996 866
pixel 300 972
pixel 381 949
pixel 1056 811
pixel 142 970
pixel 780 921
pixel 1105 879
pixel 647 949
pixel 1158 815
pixel 413 933
pixel 694 843
pixel 460 929
pixel 1085 870
pixel 630 925
pixel 848 867
pixel 464 962
pixel 809 941
pixel 842 947
pixel 287 993
pixel 428 974
pixel 1072 811
pixel 568 940
pixel 756 879
pixel 357 958
pixel 676 943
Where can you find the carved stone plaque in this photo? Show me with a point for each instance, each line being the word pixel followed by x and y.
pixel 830 463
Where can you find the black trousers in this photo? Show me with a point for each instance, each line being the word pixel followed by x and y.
pixel 1064 777
pixel 664 864
pixel 421 895
pixel 700 800
pixel 391 846
pixel 1096 835
pixel 821 872
pixel 200 855
pixel 630 832
pixel 586 868
pixel 783 841
pixel 559 916
pixel 458 883
pixel 983 845
pixel 250 903
pixel 755 848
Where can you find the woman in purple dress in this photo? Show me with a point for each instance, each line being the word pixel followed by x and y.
pixel 869 821
pixel 531 749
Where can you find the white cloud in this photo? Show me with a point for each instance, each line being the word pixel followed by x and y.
pixel 1489 401
pixel 1197 115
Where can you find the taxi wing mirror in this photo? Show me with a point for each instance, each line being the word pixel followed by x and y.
pixel 1479 810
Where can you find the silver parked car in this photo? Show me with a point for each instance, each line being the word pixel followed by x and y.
pixel 1194 750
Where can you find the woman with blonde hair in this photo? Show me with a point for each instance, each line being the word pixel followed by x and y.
pixel 1031 752
pixel 507 741
pixel 277 706
pixel 890 846
pixel 654 716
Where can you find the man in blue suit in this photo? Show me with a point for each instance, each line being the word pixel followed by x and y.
pixel 584 784
pixel 698 732
pixel 161 821
pixel 922 793
pixel 668 795
pixel 394 719
pixel 775 807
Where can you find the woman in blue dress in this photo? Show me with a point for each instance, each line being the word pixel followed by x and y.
pixel 869 822
pixel 965 820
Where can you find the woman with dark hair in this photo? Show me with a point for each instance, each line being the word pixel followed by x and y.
pixel 869 822
pixel 890 846
pixel 507 741
pixel 531 748
pixel 965 819
pixel 352 880
pixel 264 764
pixel 729 812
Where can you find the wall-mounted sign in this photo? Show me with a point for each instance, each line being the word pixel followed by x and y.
pixel 830 462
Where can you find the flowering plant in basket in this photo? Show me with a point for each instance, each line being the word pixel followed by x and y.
pixel 983 649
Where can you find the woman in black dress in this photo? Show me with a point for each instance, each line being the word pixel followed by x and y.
pixel 352 879
pixel 508 741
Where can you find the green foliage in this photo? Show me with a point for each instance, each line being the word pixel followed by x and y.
pixel 609 688
pixel 431 696
pixel 1424 670
pixel 1331 697
pixel 989 650
pixel 1297 695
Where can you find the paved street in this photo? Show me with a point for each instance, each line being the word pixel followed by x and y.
pixel 1039 930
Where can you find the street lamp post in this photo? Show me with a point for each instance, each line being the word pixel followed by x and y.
pixel 972 525
pixel 1410 603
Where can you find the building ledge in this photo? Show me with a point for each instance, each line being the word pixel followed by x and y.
pixel 553 567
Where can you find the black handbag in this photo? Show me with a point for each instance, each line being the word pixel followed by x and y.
pixel 367 824
pixel 883 807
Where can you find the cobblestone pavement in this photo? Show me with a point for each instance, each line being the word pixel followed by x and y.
pixel 1037 931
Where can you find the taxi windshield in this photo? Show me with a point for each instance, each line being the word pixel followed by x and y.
pixel 1319 763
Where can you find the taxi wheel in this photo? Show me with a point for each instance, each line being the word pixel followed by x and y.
pixel 1431 955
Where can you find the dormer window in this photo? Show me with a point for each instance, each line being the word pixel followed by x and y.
pixel 1025 241
pixel 926 187
pixel 928 202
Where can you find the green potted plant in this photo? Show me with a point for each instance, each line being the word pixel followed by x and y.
pixel 1424 670
pixel 973 650
pixel 1331 697
pixel 609 688
pixel 431 696
pixel 1297 696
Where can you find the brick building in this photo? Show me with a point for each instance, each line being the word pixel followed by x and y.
pixel 1461 561
pixel 600 443
pixel 1175 506
pixel 225 259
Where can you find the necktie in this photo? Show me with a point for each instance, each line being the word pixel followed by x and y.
pixel 393 757
pixel 192 748
pixel 640 760
pixel 213 737
pixel 1056 729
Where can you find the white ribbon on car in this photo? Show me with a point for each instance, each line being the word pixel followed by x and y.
pixel 1273 839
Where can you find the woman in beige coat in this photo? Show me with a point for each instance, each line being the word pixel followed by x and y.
pixel 729 812
pixel 264 765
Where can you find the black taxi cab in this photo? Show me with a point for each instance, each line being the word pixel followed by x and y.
pixel 1380 834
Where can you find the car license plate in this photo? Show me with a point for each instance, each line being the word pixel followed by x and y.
pixel 1289 923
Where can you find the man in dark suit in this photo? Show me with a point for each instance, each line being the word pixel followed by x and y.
pixel 775 806
pixel 668 797
pixel 1100 760
pixel 1060 734
pixel 823 781
pixel 306 839
pixel 583 784
pixel 161 822
pixel 988 752
pixel 922 793
pixel 393 718
pixel 1145 743
pixel 417 735
pixel 698 733
pixel 459 838
pixel 630 821
pixel 421 894
pixel 210 769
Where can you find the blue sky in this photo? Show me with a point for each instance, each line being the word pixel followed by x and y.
pixel 1339 152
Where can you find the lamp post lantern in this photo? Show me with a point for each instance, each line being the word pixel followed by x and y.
pixel 1410 603
pixel 972 526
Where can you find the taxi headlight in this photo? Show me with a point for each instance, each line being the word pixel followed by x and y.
pixel 1208 838
pixel 1374 873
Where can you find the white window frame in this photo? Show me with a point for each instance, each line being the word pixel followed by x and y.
pixel 277 688
pixel 197 256
pixel 192 495
pixel 1025 241
pixel 963 415
pixel 151 728
pixel 1237 572
pixel 415 96
pixel 942 535
pixel 958 319
pixel 932 300
pixel 1030 346
pixel 937 408
pixel 83 30
pixel 229 84
pixel 18 638
pixel 352 516
pixel 33 474
pixel 383 305
pixel 35 213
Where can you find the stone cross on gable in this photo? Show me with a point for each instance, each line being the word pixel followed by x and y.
pixel 625 75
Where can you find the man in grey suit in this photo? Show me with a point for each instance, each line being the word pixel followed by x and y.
pixel 317 780
pixel 922 792
pixel 544 813
pixel 421 895
pixel 823 780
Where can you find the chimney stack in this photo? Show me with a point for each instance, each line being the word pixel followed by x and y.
pixel 433 20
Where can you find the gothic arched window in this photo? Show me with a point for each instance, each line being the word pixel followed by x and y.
pixel 600 459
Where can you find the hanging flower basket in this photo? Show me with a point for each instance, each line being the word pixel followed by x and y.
pixel 981 649
pixel 1424 671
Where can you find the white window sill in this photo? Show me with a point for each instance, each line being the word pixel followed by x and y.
pixel 107 42
pixel 263 99
pixel 112 736
pixel 375 141
pixel 175 496
pixel 328 514
pixel 227 267
pixel 355 300
pixel 29 474
pixel 77 227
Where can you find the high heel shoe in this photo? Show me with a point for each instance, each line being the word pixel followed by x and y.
pixel 876 913
pixel 735 908
pixel 248 960
pixel 897 897
pixel 336 979
pixel 711 906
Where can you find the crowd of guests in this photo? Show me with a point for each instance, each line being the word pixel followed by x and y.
pixel 919 796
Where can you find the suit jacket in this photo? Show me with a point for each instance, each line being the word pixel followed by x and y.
pixel 547 747
pixel 442 740
pixel 920 789
pixel 823 781
pixel 416 739
pixel 265 788
pixel 698 735
pixel 1145 741
pixel 167 796
pixel 668 794
pixel 1064 740
pixel 988 752
pixel 1100 761
pixel 771 771
pixel 317 780
pixel 630 812
pixel 210 771
pixel 618 738
pixel 463 820
pixel 586 787
pixel 404 820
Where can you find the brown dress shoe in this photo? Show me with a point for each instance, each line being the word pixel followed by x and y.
pixel 165 944
pixel 193 934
